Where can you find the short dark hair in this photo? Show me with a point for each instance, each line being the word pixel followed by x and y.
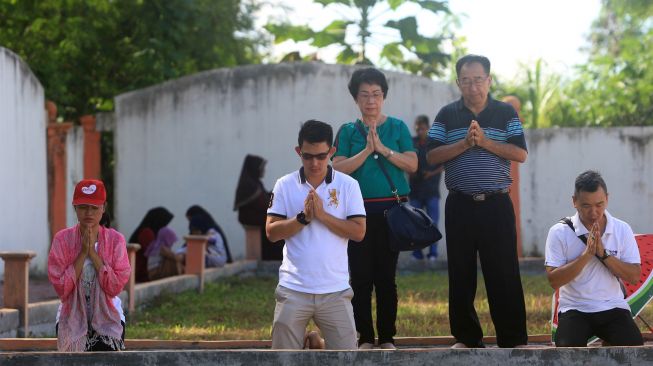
pixel 589 181
pixel 422 119
pixel 468 59
pixel 367 75
pixel 314 131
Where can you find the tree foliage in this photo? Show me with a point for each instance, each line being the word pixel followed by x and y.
pixel 411 51
pixel 87 51
pixel 615 87
pixel 538 91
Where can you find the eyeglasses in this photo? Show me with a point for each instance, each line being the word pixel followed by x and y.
pixel 477 81
pixel 371 96
pixel 307 156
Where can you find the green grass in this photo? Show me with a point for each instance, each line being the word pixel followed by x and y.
pixel 242 308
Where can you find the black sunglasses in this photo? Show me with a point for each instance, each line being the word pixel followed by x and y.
pixel 307 156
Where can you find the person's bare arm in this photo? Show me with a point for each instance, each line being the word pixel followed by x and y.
pixel 504 150
pixel 444 153
pixel 629 272
pixel 560 276
pixel 278 228
pixel 348 165
pixel 352 228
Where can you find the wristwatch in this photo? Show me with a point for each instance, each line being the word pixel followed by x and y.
pixel 390 154
pixel 301 218
pixel 605 256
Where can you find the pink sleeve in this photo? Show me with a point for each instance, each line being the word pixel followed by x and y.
pixel 61 270
pixel 116 270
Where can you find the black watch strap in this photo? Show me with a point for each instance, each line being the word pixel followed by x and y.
pixel 605 256
pixel 301 218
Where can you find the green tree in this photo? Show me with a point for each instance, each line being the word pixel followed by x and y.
pixel 537 90
pixel 615 87
pixel 87 51
pixel 411 51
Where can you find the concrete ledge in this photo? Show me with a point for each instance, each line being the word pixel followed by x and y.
pixel 405 357
pixel 148 291
pixel 42 315
pixel 231 269
pixel 9 322
pixel 42 318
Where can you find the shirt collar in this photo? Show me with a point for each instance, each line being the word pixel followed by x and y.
pixel 328 179
pixel 582 230
pixel 460 105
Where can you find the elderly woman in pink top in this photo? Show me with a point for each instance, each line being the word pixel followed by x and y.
pixel 88 267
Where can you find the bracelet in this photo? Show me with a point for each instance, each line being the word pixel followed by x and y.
pixel 390 154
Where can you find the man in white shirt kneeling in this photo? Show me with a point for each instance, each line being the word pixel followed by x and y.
pixel 591 299
pixel 316 210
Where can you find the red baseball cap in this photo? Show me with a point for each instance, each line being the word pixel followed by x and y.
pixel 89 192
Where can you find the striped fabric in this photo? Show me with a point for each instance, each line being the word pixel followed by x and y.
pixel 477 170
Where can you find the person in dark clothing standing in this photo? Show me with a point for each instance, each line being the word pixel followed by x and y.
pixel 425 182
pixel 476 137
pixel 252 201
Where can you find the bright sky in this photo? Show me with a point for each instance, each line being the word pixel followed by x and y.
pixel 509 32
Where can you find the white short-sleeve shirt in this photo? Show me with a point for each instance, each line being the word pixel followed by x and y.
pixel 595 288
pixel 315 259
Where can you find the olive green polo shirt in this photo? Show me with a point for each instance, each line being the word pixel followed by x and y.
pixel 394 134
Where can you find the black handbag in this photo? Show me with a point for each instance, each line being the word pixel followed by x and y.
pixel 410 227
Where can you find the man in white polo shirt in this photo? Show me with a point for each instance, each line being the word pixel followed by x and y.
pixel 316 210
pixel 586 264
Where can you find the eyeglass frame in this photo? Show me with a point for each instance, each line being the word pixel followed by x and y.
pixel 376 95
pixel 478 81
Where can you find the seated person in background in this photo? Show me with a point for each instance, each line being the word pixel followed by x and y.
pixel 587 263
pixel 216 255
pixel 145 233
pixel 252 202
pixel 161 260
pixel 197 210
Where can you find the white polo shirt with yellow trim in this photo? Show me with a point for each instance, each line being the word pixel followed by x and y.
pixel 315 259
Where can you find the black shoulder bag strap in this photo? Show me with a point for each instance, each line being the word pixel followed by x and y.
pixel 393 188
pixel 583 238
pixel 567 220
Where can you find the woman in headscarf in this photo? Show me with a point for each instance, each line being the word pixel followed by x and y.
pixel 161 260
pixel 146 233
pixel 252 202
pixel 197 210
pixel 216 254
pixel 88 267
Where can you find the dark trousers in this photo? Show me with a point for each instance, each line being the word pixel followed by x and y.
pixel 615 326
pixel 372 265
pixel 487 229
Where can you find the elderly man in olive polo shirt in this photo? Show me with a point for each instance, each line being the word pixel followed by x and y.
pixel 476 137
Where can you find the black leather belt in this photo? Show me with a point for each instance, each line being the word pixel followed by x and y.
pixel 479 197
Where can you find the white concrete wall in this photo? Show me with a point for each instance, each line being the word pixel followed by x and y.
pixel 23 181
pixel 183 142
pixel 624 156
pixel 74 168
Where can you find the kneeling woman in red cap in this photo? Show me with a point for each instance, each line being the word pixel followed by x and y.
pixel 88 267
